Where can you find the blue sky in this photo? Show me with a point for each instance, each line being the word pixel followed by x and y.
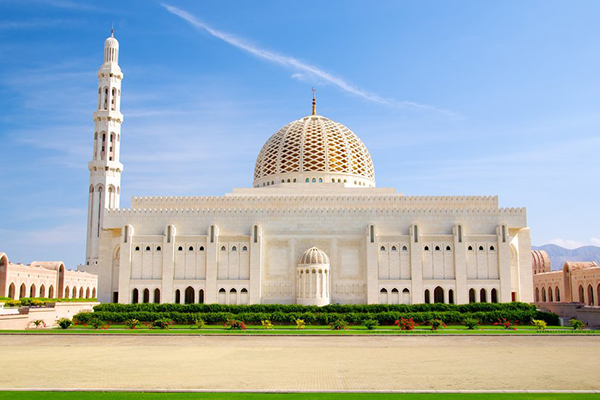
pixel 450 97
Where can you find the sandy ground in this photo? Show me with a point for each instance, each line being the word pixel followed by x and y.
pixel 301 363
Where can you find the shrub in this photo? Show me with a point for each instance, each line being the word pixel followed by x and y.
pixel 97 323
pixel 300 324
pixel 338 325
pixel 507 324
pixel 437 324
pixel 163 323
pixel 199 323
pixel 471 323
pixel 370 324
pixel 405 324
pixel 267 324
pixel 132 323
pixel 64 323
pixel 576 324
pixel 38 323
pixel 539 324
pixel 235 325
pixel 12 303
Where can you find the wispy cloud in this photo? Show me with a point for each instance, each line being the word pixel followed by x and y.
pixel 34 24
pixel 300 66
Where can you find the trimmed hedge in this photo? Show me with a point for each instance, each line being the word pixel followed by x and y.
pixel 41 301
pixel 521 312
pixel 334 308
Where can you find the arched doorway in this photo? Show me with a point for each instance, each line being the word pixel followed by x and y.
pixel 483 296
pixel 383 296
pixel 544 295
pixel 581 299
pixel 494 295
pixel 11 291
pixel 74 292
pixel 438 295
pixel 146 295
pixel 427 297
pixel 189 295
pixel 550 295
pixel 42 291
pixel 51 292
pixel 32 292
pixel 244 296
pixel 135 298
pixel 93 293
pixel 67 293
pixel 590 295
pixel 451 296
pixel 23 291
pixel 178 296
pixel 472 296
pixel 201 296
pixel 557 294
pixel 157 296
pixel 87 293
pixel 537 295
pixel 81 292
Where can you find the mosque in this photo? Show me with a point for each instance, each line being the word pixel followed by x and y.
pixel 313 229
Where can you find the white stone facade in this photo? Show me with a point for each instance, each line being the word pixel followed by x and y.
pixel 314 186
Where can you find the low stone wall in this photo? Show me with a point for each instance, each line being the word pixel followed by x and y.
pixel 49 315
pixel 589 315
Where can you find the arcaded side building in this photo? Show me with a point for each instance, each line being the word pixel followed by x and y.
pixel 312 229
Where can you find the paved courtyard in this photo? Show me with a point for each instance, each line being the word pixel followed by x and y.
pixel 301 363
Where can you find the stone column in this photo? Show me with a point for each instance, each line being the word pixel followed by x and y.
pixel 167 291
pixel 460 265
pixel 125 264
pixel 256 264
pixel 416 265
pixel 505 292
pixel 212 252
pixel 371 258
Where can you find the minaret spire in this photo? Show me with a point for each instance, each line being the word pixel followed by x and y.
pixel 314 104
pixel 105 167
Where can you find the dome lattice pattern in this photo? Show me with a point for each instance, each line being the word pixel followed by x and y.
pixel 314 256
pixel 314 144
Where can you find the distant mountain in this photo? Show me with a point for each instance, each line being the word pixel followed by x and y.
pixel 558 255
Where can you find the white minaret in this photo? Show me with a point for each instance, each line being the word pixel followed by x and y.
pixel 105 168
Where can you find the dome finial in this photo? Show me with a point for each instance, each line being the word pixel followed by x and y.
pixel 314 109
pixel 112 29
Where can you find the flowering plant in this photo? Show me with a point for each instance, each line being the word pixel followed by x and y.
pixel 405 324
pixel 437 324
pixel 339 325
pixel 507 324
pixel 162 323
pixel 300 324
pixel 132 323
pixel 234 324
pixel 267 324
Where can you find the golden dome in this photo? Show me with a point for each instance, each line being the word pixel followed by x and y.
pixel 314 149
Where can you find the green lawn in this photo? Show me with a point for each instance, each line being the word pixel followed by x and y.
pixel 289 396
pixel 312 330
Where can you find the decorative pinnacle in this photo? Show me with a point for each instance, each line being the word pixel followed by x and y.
pixel 112 30
pixel 314 104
